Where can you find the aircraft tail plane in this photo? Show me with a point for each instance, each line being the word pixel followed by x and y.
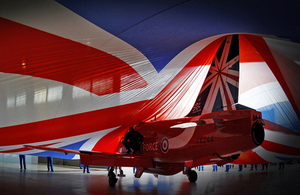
pixel 221 87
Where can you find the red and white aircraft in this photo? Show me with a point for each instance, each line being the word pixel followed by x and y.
pixel 73 82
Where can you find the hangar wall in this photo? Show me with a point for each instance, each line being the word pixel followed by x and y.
pixel 14 158
pixel 30 159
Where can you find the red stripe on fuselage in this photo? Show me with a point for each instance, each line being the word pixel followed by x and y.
pixel 28 51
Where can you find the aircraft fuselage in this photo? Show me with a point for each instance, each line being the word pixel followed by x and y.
pixel 200 140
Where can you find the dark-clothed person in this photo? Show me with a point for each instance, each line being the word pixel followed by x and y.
pixel 132 140
pixel 87 167
pixel 22 161
pixel 49 163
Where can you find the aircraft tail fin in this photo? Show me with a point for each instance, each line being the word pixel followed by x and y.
pixel 221 87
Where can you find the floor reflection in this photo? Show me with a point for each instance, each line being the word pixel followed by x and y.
pixel 66 180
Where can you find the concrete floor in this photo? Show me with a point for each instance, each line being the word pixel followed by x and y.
pixel 71 180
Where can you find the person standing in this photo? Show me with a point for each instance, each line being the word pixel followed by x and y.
pixel 281 165
pixel 49 163
pixel 255 166
pixel 263 166
pixel 80 165
pixel 215 168
pixel 227 168
pixel 22 161
pixel 87 167
pixel 200 167
pixel 240 167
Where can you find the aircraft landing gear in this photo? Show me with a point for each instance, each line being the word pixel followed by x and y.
pixel 112 180
pixel 192 175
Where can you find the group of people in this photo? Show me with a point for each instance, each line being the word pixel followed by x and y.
pixel 264 166
pixel 23 162
pixel 49 164
pixel 228 166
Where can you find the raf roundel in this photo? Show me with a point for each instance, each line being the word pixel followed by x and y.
pixel 165 145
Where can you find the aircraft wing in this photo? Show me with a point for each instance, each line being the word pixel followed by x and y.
pixel 66 151
pixel 104 159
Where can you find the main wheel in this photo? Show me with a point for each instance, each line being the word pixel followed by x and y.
pixel 192 176
pixel 112 181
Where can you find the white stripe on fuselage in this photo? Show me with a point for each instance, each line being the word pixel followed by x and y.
pixel 184 138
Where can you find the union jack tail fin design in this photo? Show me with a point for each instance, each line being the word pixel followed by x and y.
pixel 220 88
